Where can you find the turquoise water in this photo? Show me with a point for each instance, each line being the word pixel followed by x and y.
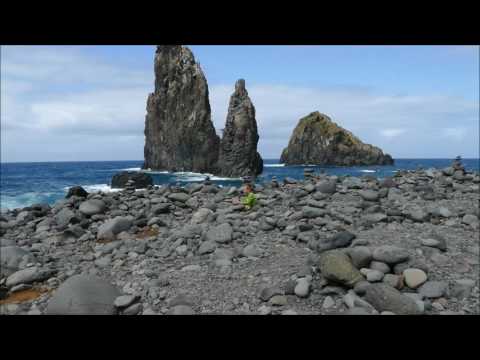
pixel 24 184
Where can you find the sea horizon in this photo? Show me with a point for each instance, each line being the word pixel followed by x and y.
pixel 23 184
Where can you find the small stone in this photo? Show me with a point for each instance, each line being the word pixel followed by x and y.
pixel 125 301
pixel 438 306
pixel 390 254
pixel 289 312
pixel 181 310
pixel 414 277
pixel 264 310
pixel 361 287
pixel 207 247
pixel 356 311
pixel 380 266
pixel 221 233
pixel 433 289
pixel 302 289
pixel 471 220
pixel 251 251
pixel 268 292
pixel 134 309
pixel 361 256
pixel 462 288
pixel 193 267
pixel 278 300
pixel 374 276
pixel 328 302
pixel 368 195
pixel 387 313
pixel 394 281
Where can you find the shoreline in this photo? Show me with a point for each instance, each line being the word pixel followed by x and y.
pixel 193 250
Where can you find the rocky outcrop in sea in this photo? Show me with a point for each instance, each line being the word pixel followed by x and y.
pixel 238 147
pixel 318 140
pixel 408 244
pixel 179 133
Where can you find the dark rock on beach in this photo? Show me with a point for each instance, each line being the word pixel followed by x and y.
pixel 138 180
pixel 76 191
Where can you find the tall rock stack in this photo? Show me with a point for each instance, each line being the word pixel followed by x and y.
pixel 317 140
pixel 179 132
pixel 238 147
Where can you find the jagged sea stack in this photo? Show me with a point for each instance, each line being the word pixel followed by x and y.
pixel 317 140
pixel 179 133
pixel 238 147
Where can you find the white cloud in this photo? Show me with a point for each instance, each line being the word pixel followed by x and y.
pixel 456 134
pixel 374 118
pixel 392 133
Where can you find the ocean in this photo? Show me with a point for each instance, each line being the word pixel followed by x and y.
pixel 25 184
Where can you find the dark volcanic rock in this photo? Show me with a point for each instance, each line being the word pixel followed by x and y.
pixel 140 180
pixel 318 140
pixel 238 147
pixel 76 191
pixel 179 133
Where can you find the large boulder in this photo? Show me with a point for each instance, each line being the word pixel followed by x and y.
pixel 140 180
pixel 383 297
pixel 317 140
pixel 27 276
pixel 64 217
pixel 336 266
pixel 112 227
pixel 83 295
pixel 13 258
pixel 76 191
pixel 92 207
pixel 179 133
pixel 238 148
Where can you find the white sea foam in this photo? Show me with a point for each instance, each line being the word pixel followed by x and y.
pixel 192 176
pixel 23 200
pixel 132 169
pixel 368 171
pixel 273 165
pixel 100 188
pixel 154 172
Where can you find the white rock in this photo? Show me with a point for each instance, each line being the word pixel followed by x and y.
pixel 303 288
pixel 328 302
pixel 414 277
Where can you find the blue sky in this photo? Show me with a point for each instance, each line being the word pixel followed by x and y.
pixel 64 103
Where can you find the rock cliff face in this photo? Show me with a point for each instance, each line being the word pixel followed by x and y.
pixel 238 147
pixel 179 133
pixel 317 140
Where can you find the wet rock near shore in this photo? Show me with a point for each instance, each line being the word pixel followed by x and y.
pixel 134 179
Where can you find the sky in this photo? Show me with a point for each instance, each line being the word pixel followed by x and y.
pixel 79 103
